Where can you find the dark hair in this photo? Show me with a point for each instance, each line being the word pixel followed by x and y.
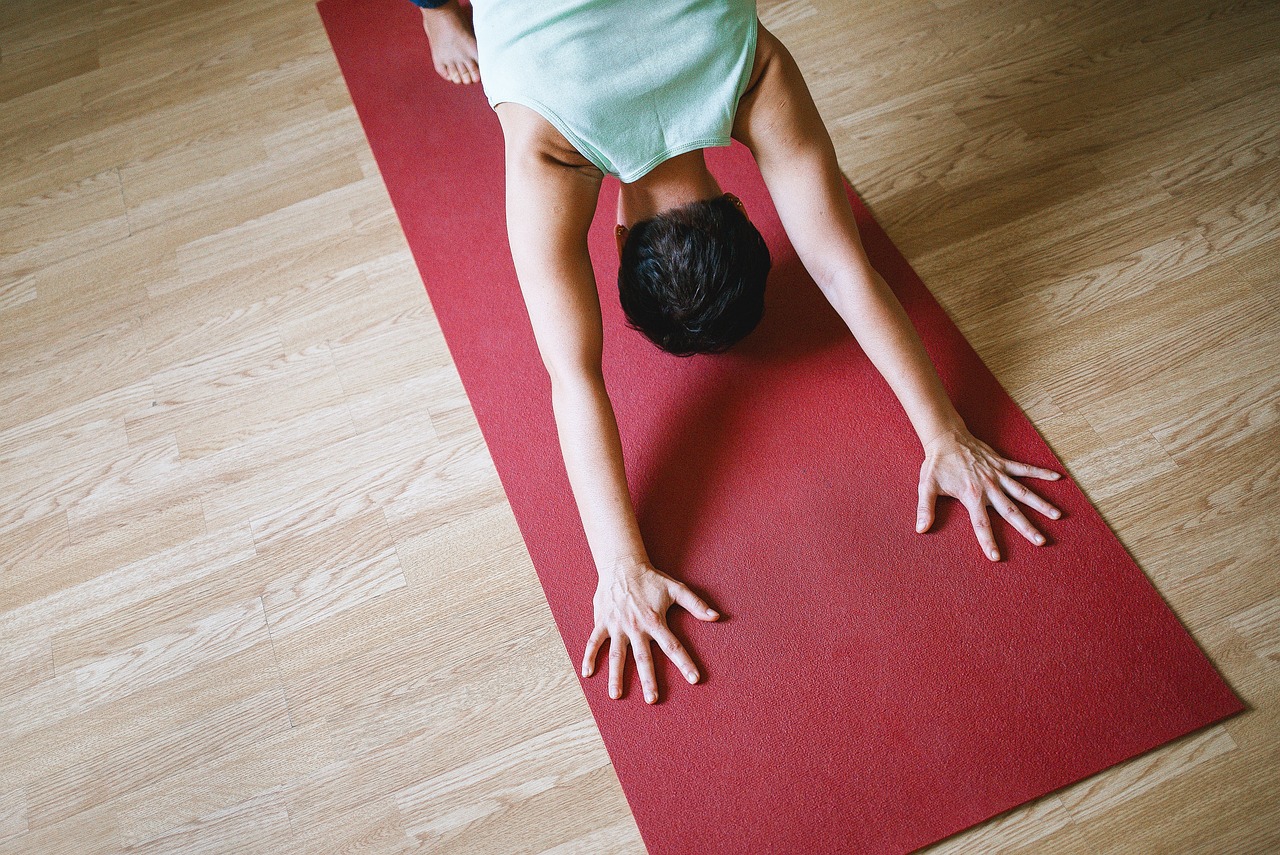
pixel 692 278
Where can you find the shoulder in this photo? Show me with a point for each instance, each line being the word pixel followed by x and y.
pixel 776 113
pixel 549 184
pixel 528 135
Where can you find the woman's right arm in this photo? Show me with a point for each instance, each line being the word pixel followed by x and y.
pixel 550 206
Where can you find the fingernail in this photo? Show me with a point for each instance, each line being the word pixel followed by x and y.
pixel 995 556
pixel 691 677
pixel 613 693
pixel 649 698
pixel 1039 540
pixel 586 673
pixel 713 613
pixel 1055 514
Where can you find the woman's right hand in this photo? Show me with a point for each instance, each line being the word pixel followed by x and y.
pixel 630 609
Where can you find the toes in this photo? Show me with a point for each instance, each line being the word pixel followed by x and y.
pixel 459 72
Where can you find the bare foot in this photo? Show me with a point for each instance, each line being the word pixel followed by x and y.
pixel 453 44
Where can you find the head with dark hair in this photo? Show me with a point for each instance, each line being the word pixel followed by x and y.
pixel 692 278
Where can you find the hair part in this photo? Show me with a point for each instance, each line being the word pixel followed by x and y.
pixel 692 278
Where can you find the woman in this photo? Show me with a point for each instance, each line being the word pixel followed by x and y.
pixel 595 87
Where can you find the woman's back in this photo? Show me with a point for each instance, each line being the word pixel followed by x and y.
pixel 628 84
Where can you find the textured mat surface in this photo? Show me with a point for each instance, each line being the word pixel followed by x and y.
pixel 869 689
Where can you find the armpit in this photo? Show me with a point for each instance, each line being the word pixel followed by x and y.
pixel 528 132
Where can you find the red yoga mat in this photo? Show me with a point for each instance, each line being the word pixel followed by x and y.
pixel 869 689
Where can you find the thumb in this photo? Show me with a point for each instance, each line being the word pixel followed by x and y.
pixel 924 507
pixel 692 602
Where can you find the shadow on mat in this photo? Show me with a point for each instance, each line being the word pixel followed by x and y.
pixel 798 321
pixel 707 426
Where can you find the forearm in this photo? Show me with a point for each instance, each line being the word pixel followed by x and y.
pixel 877 320
pixel 592 452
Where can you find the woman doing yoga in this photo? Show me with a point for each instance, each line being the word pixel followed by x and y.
pixel 585 88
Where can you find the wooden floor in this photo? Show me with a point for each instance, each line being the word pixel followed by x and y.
pixel 262 591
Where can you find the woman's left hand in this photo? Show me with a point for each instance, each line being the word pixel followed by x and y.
pixel 960 465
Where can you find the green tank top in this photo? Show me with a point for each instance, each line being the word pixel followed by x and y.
pixel 629 83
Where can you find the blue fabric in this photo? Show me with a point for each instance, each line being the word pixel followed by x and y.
pixel 428 4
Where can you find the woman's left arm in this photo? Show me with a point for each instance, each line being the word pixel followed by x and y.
pixel 778 121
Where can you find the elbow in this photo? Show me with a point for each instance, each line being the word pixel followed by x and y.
pixel 576 393
pixel 853 289
pixel 570 377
